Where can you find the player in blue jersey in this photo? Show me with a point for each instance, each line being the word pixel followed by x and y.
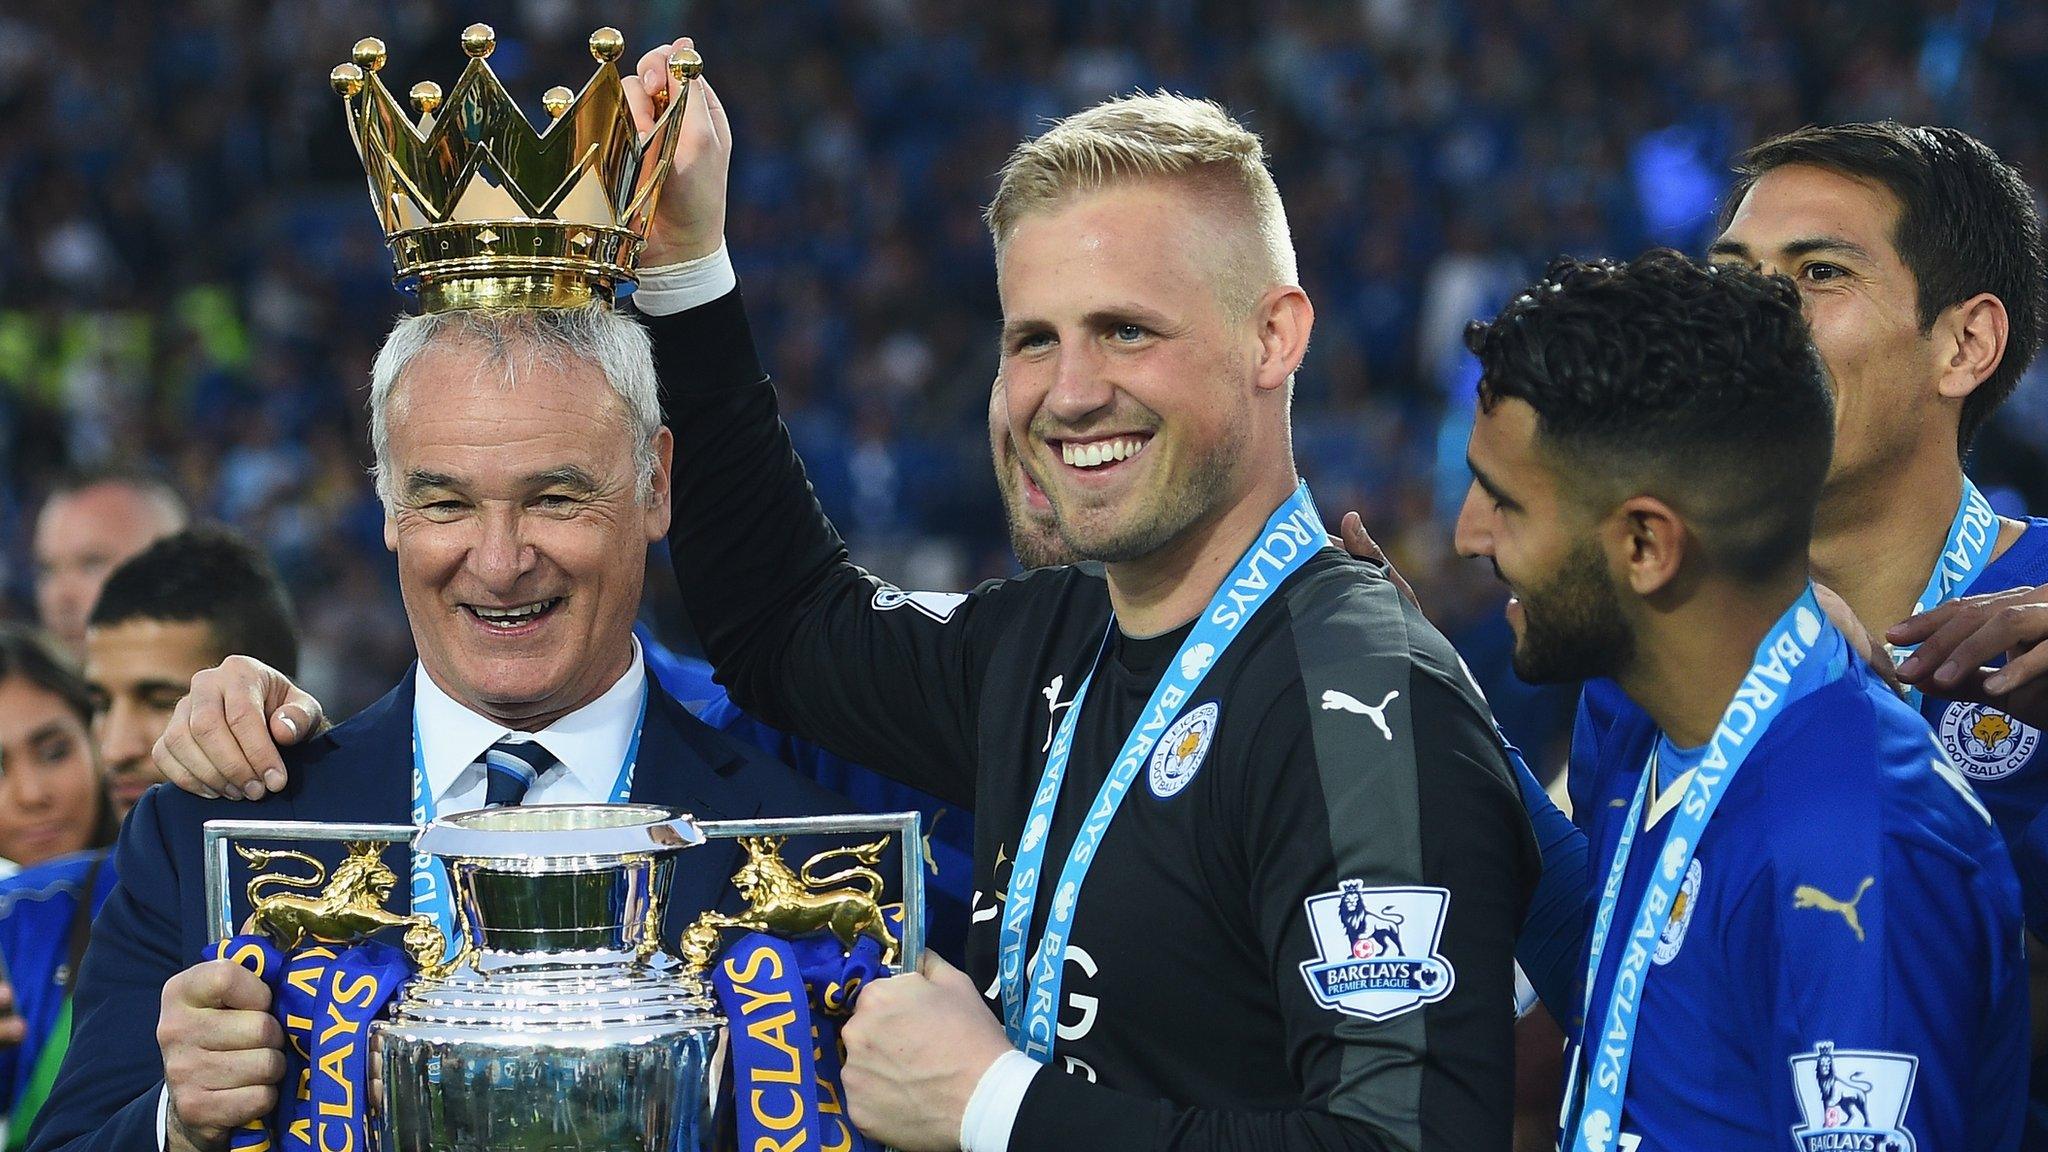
pixel 1919 257
pixel 1806 925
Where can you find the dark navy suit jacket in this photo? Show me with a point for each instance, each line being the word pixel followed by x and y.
pixel 154 925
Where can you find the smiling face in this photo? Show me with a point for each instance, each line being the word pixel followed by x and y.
pixel 49 786
pixel 521 539
pixel 1832 235
pixel 1130 389
pixel 1563 607
pixel 139 669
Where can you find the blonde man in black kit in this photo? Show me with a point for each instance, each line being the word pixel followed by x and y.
pixel 1327 746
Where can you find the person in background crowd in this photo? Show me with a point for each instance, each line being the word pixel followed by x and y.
pixel 51 802
pixel 54 819
pixel 181 606
pixel 88 525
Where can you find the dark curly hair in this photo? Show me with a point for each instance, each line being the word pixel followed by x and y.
pixel 1967 224
pixel 1664 376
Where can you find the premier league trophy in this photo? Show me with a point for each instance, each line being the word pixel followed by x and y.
pixel 556 1020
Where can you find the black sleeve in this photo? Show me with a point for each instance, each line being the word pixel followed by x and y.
pixel 798 635
pixel 1432 806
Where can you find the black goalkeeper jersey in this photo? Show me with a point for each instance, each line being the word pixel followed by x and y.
pixel 1299 930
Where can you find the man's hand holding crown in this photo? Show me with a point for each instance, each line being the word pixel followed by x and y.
pixel 689 220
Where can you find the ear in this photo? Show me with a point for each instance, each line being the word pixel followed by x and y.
pixel 1284 317
pixel 658 508
pixel 390 530
pixel 1646 543
pixel 1971 340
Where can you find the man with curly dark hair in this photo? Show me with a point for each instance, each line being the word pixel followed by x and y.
pixel 1806 920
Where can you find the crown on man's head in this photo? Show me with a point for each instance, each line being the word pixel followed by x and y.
pixel 481 210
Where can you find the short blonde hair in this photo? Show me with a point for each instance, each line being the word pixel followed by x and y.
pixel 1160 136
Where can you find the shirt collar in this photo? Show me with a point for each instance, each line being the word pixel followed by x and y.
pixel 591 742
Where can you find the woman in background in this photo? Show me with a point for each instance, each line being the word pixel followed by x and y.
pixel 55 822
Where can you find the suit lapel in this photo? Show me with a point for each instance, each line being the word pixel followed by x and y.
pixel 687 765
pixel 367 777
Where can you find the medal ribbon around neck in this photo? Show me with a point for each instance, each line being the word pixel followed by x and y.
pixel 1801 653
pixel 1971 537
pixel 431 893
pixel 1291 535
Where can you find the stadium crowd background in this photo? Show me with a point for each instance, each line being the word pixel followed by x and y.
pixel 190 277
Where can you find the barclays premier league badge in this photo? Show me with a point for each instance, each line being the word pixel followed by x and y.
pixel 940 606
pixel 1378 949
pixel 1983 742
pixel 1853 1101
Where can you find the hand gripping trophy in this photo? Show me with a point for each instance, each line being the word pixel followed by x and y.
pixel 532 1006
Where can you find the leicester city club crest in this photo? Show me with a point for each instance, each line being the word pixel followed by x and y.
pixel 1984 742
pixel 1853 1101
pixel 1377 949
pixel 1672 938
pixel 1180 752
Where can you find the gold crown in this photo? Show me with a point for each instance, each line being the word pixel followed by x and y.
pixel 482 211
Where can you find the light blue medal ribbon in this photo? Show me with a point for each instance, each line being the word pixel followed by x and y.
pixel 1801 652
pixel 431 894
pixel 1971 537
pixel 1291 535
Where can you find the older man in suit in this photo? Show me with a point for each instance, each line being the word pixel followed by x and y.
pixel 524 471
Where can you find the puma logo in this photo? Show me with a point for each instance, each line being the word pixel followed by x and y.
pixel 1053 706
pixel 1335 701
pixel 1807 896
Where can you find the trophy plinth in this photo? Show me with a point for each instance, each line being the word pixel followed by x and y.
pixel 558 1024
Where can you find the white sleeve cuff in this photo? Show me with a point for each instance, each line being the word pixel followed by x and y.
pixel 163 1118
pixel 992 1110
pixel 674 288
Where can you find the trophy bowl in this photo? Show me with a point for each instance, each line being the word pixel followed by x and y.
pixel 558 1023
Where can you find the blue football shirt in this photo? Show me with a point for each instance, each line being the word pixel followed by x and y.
pixel 1844 966
pixel 2003 758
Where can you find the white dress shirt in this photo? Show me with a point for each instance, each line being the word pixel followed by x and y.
pixel 589 743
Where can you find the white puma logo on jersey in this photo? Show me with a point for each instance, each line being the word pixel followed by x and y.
pixel 1335 701
pixel 1053 706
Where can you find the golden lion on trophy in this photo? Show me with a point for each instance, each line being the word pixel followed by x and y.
pixel 350 906
pixel 792 902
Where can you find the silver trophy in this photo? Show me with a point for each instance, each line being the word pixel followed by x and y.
pixel 556 1020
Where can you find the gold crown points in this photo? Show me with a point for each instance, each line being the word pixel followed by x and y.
pixel 480 208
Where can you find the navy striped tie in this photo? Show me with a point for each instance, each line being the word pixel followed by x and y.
pixel 511 768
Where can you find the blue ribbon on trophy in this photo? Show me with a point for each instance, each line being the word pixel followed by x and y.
pixel 784 999
pixel 325 997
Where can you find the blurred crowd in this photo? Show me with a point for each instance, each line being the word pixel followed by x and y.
pixel 191 278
